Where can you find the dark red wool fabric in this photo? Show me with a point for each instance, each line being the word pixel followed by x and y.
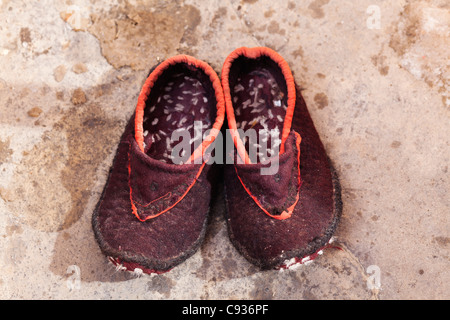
pixel 154 185
pixel 152 214
pixel 268 242
pixel 159 243
pixel 276 190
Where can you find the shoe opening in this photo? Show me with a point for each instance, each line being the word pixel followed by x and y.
pixel 182 100
pixel 259 96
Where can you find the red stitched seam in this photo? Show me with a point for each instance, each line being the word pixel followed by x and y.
pixel 167 195
pixel 133 206
pixel 286 213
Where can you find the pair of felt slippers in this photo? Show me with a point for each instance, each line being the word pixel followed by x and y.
pixel 153 212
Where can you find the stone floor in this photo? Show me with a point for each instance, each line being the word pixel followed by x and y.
pixel 374 73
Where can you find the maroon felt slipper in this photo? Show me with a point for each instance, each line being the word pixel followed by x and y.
pixel 153 211
pixel 282 195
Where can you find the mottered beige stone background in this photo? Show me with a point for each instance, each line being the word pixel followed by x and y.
pixel 374 73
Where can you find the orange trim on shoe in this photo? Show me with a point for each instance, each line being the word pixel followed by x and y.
pixel 200 150
pixel 148 85
pixel 288 212
pixel 254 53
pixel 133 202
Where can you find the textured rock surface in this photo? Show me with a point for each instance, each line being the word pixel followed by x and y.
pixel 375 77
